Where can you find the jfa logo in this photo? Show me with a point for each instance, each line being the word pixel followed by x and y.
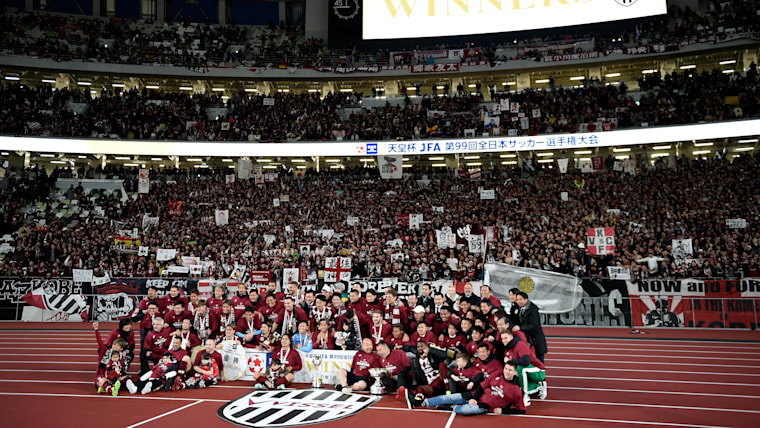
pixel 372 148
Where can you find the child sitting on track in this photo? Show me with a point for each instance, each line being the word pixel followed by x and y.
pixel 273 377
pixel 202 380
pixel 114 374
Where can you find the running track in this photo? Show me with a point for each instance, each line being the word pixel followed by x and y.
pixel 597 377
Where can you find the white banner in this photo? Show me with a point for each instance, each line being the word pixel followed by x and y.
pixel 143 252
pixel 553 293
pixel 337 269
pixel 332 362
pixel 276 202
pixel 143 182
pixel 229 178
pixel 415 220
pixel 244 169
pixel 618 272
pixel 352 221
pixel 488 194
pixel 290 275
pixel 391 167
pixel 149 221
pixel 736 223
pixel 564 196
pixel 269 239
pixel 476 244
pixel 562 163
pixel 268 101
pixel 163 254
pixel 586 166
pixel 82 275
pixel 222 217
pixel 682 248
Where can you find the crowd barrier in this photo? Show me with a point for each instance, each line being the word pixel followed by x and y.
pixel 605 303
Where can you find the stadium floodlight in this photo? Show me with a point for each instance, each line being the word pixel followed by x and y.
pixel 185 88
pixel 217 89
pixel 621 149
pixel 82 157
pixel 701 152
pixel 439 87
pixel 509 155
pixel 131 164
pixel 470 157
pixel 263 160
pixel 83 83
pixel 621 157
pixel 578 78
pixel 612 75
pixel 751 140
pixel 118 85
pixel 659 155
pixel 687 67
pixel 14 78
pixel 545 154
pixel 743 149
pixel 650 71
pixel 668 147
pixel 545 160
pixel 122 158
pixel 301 167
pixel 194 160
pixel 313 90
pixel 347 90
pixel 156 159
pixel 471 85
pixel 231 166
pixel 270 166
pixel 703 144
pixel 45 155
pixel 336 166
pixel 509 163
pixel 298 160
pixel 407 166
pixel 436 158
pixel 48 80
pixel 474 163
pixel 542 81
pixel 508 83
pixel 439 164
pixel 367 159
pixel 727 71
pixel 585 159
pixel 151 86
pixel 583 152
pixel 251 90
pixel 731 61
pixel 226 160
pixel 57 162
pixel 332 160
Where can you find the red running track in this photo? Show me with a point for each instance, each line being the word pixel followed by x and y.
pixel 597 377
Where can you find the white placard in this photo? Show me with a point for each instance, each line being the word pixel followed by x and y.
pixel 163 254
pixel 222 217
pixel 82 275
pixel 619 272
pixel 352 221
pixel 488 194
pixel 736 223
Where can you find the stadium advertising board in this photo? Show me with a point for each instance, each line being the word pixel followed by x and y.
pixel 399 19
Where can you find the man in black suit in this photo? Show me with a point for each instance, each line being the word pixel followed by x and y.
pixel 530 324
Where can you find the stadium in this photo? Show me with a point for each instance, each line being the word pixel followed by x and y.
pixel 443 213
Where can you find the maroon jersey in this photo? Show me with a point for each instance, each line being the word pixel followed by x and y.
pixel 452 342
pixel 472 347
pixel 396 361
pixel 158 343
pixel 495 301
pixel 175 321
pixel 363 362
pixel 429 337
pixel 215 304
pixel 178 355
pixel 440 326
pixel 169 303
pixel 359 306
pixel 394 342
pixel 206 325
pixel 316 315
pixel 191 339
pixel 521 349
pixel 271 313
pixel 395 314
pixel 379 333
pixel 104 356
pixel 223 320
pixel 147 322
pixel 116 334
pixel 428 318
pixel 377 305
pixel 297 315
pixel 466 374
pixel 143 305
pixel 215 355
pixel 323 343
pixel 288 358
pixel 239 303
pixel 499 393
pixel 489 367
pixel 244 326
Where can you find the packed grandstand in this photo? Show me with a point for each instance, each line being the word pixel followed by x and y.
pixel 329 220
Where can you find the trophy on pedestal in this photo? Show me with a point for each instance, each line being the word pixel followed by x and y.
pixel 377 388
pixel 316 375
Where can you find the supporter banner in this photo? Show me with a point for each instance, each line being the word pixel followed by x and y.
pixel 695 303
pixel 114 306
pixel 143 182
pixel 604 304
pixel 407 288
pixel 331 363
pixel 736 223
pixel 415 220
pixel 164 254
pixel 476 244
pixel 572 57
pixel 488 194
pixel 14 291
pixel 391 167
pixel 435 68
pixel 82 275
pixel 347 70
pixel 352 221
pixel 222 217
pixel 410 19
pixel 337 269
pixel 562 163
pixel 175 207
pixel 244 169
pixel 682 248
pixel 600 241
pixel 149 221
pixel 552 292
pixel 618 272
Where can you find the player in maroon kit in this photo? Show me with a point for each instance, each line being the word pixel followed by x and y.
pixel 189 339
pixel 124 331
pixel 289 357
pixel 419 315
pixel 398 338
pixel 423 334
pixel 289 317
pixel 119 347
pixel 178 314
pixel 224 317
pixel 394 311
pixel 485 294
pixel 115 373
pixel 395 361
pixel 142 307
pixel 379 329
pixel 358 378
pixel 320 311
pixel 478 338
pixel 240 300
pixel 215 303
pixel 204 323
pixel 323 338
pixel 498 394
pixel 156 344
pixel 271 308
pixel 172 298
pixel 248 326
pixel 452 339
pixel 275 376
pixel 442 320
pixel 485 362
pixel 461 377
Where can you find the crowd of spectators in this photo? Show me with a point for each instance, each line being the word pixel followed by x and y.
pixel 199 46
pixel 676 98
pixel 534 228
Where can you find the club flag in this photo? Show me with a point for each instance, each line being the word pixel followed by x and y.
pixel 391 167
pixel 552 292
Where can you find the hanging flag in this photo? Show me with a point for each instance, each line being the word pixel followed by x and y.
pixel 222 217
pixel 600 241
pixel 562 163
pixel 391 167
pixel 143 182
pixel 230 178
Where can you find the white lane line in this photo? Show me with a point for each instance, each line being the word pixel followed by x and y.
pixel 650 371
pixel 655 380
pixel 644 362
pixel 451 419
pixel 643 356
pixel 644 391
pixel 589 348
pixel 165 414
pixel 661 406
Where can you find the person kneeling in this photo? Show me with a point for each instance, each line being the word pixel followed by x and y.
pixel 358 379
pixel 275 376
pixel 497 394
